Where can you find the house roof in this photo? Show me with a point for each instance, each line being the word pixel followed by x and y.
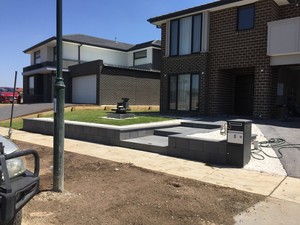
pixel 192 10
pixel 154 43
pixel 131 68
pixel 97 42
pixel 212 6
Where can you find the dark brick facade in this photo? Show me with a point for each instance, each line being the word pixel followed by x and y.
pixel 141 87
pixel 231 54
pixel 230 49
pixel 289 11
pixel 113 83
pixel 190 64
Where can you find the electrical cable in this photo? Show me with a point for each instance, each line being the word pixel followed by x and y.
pixel 277 143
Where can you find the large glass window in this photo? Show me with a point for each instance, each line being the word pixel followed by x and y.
pixel 245 16
pixel 184 92
pixel 195 92
pixel 31 85
pixel 184 87
pixel 174 38
pixel 185 35
pixel 197 32
pixel 173 92
pixel 35 85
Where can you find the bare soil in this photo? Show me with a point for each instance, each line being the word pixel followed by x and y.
pixel 98 191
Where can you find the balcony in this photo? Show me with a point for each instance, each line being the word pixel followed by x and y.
pixel 39 66
pixel 45 67
pixel 284 41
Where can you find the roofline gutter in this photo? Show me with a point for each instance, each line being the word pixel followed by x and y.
pixel 207 6
pixel 212 6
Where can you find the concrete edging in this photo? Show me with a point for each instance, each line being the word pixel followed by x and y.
pixel 96 133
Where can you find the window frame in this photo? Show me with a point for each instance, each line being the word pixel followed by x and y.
pixel 139 52
pixel 37 57
pixel 176 37
pixel 244 7
pixel 31 84
pixel 176 76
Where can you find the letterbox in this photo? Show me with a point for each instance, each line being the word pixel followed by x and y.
pixel 238 151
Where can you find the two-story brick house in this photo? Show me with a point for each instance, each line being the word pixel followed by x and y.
pixel 232 57
pixel 95 71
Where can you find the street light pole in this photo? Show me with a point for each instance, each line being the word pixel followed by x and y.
pixel 59 100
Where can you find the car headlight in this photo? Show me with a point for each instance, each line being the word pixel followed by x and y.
pixel 15 167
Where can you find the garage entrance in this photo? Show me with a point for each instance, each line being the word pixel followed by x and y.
pixel 84 89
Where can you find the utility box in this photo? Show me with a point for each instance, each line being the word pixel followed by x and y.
pixel 238 150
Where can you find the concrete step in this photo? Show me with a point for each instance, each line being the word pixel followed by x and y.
pixel 180 130
pixel 152 143
pixel 202 124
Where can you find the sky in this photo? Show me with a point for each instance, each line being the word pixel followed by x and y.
pixel 24 23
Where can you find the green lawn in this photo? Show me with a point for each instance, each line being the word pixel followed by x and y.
pixel 99 116
pixel 16 123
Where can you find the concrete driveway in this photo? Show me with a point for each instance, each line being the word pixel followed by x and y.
pixel 24 109
pixel 290 150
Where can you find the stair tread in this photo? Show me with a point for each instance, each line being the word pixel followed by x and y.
pixel 150 140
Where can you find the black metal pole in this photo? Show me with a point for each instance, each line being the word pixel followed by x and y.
pixel 59 100
pixel 12 106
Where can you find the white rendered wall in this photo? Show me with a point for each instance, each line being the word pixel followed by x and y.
pixel 114 57
pixel 284 37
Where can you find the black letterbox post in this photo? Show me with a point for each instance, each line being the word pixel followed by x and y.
pixel 238 142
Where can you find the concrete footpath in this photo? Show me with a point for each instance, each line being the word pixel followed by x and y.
pixel 283 193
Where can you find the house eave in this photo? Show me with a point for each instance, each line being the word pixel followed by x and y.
pixel 210 7
pixel 44 70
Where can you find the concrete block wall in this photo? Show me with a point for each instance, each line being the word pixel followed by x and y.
pixel 97 133
pixel 204 150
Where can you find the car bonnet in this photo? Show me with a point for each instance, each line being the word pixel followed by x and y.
pixel 9 146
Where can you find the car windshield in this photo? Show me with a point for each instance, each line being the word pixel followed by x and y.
pixel 6 89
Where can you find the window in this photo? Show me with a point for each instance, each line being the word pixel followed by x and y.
pixel 186 35
pixel 35 85
pixel 31 85
pixel 245 15
pixel 54 54
pixel 37 57
pixel 184 92
pixel 195 92
pixel 140 54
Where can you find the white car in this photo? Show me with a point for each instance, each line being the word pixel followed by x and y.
pixel 17 184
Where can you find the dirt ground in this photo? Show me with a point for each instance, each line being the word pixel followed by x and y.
pixel 102 192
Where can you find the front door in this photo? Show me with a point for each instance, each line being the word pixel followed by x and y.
pixel 244 90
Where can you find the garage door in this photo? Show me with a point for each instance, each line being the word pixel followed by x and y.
pixel 84 89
